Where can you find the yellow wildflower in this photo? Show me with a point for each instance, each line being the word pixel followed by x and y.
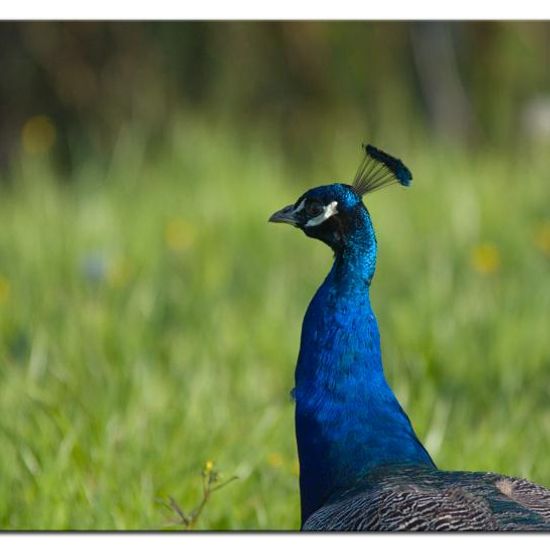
pixel 485 259
pixel 208 466
pixel 542 238
pixel 38 135
pixel 275 460
pixel 5 289
pixel 179 235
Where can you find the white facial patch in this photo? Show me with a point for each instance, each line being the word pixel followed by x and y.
pixel 329 211
pixel 299 207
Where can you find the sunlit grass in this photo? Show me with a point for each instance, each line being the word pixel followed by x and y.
pixel 150 323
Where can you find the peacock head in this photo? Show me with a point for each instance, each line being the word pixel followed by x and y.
pixel 333 213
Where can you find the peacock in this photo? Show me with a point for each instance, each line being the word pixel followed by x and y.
pixel 362 466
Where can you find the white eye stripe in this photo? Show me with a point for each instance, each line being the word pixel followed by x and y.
pixel 299 207
pixel 327 212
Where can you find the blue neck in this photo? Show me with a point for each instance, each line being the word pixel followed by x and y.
pixel 348 420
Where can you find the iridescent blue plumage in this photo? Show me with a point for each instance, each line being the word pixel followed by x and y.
pixel 361 463
pixel 347 418
pixel 401 172
pixel 379 169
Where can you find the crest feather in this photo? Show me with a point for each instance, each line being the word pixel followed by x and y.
pixel 378 169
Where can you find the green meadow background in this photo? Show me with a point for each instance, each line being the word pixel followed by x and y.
pixel 149 314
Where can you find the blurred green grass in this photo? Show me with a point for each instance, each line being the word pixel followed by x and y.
pixel 150 322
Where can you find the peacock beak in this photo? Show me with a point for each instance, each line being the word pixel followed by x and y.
pixel 285 215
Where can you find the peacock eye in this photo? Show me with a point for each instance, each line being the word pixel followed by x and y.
pixel 314 208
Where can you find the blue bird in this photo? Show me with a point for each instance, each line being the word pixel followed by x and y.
pixel 362 467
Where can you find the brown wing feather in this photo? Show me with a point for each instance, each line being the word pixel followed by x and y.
pixel 419 499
